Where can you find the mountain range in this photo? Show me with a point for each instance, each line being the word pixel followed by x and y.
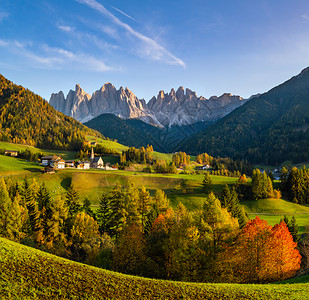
pixel 181 107
pixel 270 128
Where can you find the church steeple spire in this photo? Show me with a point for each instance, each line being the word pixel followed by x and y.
pixel 92 155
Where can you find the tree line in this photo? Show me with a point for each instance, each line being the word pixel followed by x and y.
pixel 136 233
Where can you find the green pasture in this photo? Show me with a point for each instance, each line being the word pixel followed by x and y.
pixel 19 147
pixel 274 206
pixel 163 156
pixel 178 187
pixel 12 165
pixel 273 210
pixel 27 273
pixel 107 143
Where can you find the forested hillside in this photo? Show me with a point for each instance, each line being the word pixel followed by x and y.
pixel 268 129
pixel 28 119
pixel 133 132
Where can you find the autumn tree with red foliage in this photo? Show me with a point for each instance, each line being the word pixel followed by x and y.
pixel 263 253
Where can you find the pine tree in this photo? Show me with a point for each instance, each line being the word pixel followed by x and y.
pixel 160 201
pixel 6 211
pixel 131 200
pixel 43 197
pixel 16 226
pixel 226 195
pixel 221 224
pixel 32 207
pixel 293 228
pixel 103 213
pixel 55 236
pixel 86 207
pixel 72 199
pixel 144 205
pixel 284 180
pixel 118 213
pixel 207 183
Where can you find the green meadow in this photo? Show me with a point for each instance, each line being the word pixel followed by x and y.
pixel 178 187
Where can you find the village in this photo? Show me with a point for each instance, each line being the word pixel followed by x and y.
pixel 51 163
pixel 56 162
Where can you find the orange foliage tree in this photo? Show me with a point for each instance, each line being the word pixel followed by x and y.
pixel 264 253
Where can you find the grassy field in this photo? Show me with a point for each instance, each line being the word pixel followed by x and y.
pixel 12 166
pixel 273 210
pixel 179 187
pixel 109 144
pixel 27 273
pixel 18 147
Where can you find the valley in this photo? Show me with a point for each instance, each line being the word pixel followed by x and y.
pixel 154 150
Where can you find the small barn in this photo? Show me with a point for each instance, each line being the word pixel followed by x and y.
pixel 11 152
pixel 49 170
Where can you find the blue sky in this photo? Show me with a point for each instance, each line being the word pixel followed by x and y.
pixel 238 46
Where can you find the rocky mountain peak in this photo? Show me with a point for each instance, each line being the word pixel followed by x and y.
pixel 180 94
pixel 190 94
pixel 181 107
pixel 172 93
pixel 161 95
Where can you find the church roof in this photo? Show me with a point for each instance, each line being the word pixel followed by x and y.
pixel 96 159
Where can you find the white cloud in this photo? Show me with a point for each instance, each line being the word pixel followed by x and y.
pixel 147 47
pixel 65 28
pixel 54 58
pixel 115 8
pixel 82 60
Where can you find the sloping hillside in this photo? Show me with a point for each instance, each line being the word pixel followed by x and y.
pixel 29 119
pixel 26 273
pixel 268 129
pixel 133 132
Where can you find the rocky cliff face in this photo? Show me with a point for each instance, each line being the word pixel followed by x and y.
pixel 184 107
pixel 83 107
pixel 181 107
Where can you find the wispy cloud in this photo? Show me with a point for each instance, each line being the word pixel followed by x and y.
pixel 65 28
pixel 87 39
pixel 115 8
pixel 147 47
pixel 55 58
pixel 3 15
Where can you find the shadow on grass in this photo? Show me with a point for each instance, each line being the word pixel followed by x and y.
pixel 66 182
pixel 33 170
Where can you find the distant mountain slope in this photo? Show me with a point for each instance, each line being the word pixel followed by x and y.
pixel 268 129
pixel 133 132
pixel 182 107
pixel 28 119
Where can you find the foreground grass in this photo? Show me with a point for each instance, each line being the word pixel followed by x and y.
pixel 28 273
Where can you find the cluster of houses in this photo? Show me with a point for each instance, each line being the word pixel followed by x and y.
pixel 57 162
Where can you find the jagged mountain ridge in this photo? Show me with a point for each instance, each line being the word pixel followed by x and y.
pixel 167 109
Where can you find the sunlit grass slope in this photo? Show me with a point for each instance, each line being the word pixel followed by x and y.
pixel 12 166
pixel 273 210
pixel 28 273
pixel 19 147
